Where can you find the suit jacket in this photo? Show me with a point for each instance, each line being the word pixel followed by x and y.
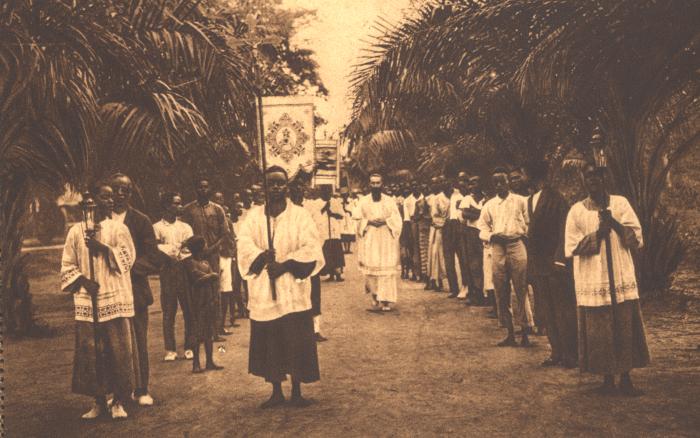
pixel 546 230
pixel 147 256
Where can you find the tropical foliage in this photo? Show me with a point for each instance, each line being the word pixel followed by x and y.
pixel 471 83
pixel 157 88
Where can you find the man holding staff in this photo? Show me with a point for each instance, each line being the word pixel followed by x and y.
pixel 112 367
pixel 282 330
pixel 601 231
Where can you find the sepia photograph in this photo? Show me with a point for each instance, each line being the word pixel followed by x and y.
pixel 349 218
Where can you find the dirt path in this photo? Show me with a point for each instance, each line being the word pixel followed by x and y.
pixel 428 369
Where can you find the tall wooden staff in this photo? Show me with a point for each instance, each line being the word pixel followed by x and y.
pixel 263 162
pixel 601 162
pixel 89 207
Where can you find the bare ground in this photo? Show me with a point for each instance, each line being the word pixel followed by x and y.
pixel 429 369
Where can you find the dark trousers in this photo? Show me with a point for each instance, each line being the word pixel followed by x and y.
pixel 228 304
pixel 141 332
pixel 473 272
pixel 558 304
pixel 173 291
pixel 237 299
pixel 452 246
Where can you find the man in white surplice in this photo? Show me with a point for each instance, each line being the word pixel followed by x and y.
pixel 380 228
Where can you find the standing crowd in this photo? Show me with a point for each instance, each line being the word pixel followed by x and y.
pixel 215 263
pixel 541 266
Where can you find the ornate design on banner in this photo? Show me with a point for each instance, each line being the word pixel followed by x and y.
pixel 286 138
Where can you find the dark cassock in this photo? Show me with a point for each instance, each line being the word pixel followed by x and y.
pixel 282 331
pixel 147 263
pixel 550 278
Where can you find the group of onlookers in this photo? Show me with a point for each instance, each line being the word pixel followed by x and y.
pixel 106 264
pixel 540 264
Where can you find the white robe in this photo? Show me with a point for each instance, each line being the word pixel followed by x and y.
pixel 295 237
pixel 378 256
pixel 591 271
pixel 115 298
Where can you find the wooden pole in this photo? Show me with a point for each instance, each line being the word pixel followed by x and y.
pixel 263 162
pixel 95 313
pixel 613 290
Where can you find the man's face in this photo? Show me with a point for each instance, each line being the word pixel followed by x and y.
pixel 474 184
pixel 122 188
pixel 203 189
pixel 218 198
pixel 517 181
pixel 375 183
pixel 594 180
pixel 258 195
pixel 277 185
pixel 500 183
pixel 105 200
pixel 175 207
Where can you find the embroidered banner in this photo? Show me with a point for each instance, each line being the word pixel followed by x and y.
pixel 289 132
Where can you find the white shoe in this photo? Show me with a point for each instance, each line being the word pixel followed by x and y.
pixel 463 294
pixel 118 411
pixel 93 413
pixel 170 356
pixel 146 400
pixel 189 355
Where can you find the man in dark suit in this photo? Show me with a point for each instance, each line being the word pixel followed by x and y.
pixel 552 282
pixel 146 263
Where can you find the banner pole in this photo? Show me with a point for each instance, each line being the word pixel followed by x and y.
pixel 263 162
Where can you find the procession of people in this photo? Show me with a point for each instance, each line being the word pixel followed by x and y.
pixel 542 267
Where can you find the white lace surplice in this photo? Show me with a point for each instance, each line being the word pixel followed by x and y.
pixel 115 298
pixel 295 238
pixel 591 271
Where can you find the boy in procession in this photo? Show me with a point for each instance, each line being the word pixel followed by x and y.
pixel 106 357
pixel 171 235
pixel 203 292
pixel 439 213
pixel 503 223
pixel 281 331
pixel 473 247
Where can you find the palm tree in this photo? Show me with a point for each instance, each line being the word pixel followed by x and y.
pixel 534 79
pixel 84 85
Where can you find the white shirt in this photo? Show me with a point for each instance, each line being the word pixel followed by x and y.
pixel 535 198
pixel 507 217
pixel 171 237
pixel 469 202
pixel 409 208
pixel 455 212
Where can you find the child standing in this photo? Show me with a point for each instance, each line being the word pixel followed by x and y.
pixel 203 288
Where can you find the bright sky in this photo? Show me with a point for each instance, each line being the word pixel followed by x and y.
pixel 336 36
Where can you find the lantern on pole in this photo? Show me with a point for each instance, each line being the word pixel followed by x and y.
pixel 89 208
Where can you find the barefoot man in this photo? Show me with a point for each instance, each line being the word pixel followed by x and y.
pixel 281 324
pixel 380 228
